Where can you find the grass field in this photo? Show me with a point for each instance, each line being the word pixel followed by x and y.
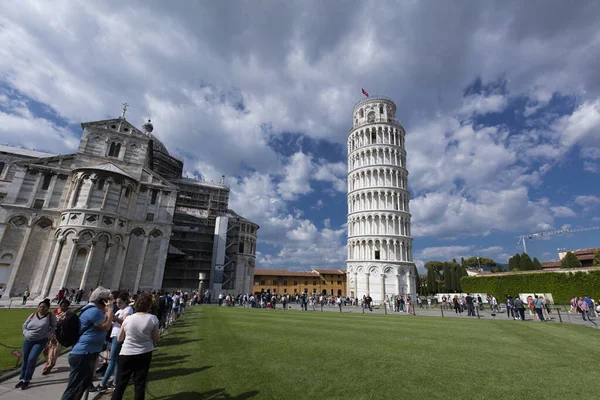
pixel 232 353
pixel 11 335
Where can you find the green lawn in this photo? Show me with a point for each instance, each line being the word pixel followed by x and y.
pixel 11 335
pixel 233 353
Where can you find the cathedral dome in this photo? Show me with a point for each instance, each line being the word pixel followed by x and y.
pixel 148 127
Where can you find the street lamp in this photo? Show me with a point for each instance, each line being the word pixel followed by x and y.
pixel 201 278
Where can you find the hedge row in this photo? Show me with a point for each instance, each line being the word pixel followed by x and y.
pixel 562 286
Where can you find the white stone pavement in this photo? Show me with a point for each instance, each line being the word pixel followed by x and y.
pixel 48 387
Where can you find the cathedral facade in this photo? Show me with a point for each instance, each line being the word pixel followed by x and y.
pixel 100 216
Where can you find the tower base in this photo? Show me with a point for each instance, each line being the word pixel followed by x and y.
pixel 381 279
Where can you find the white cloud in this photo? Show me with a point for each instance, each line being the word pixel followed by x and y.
pixel 588 203
pixel 562 212
pixel 454 214
pixel 218 94
pixel 444 253
pixel 297 177
pixel 481 104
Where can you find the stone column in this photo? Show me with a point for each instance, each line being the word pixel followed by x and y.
pixel 382 287
pixel 2 230
pixel 63 281
pixel 50 190
pixel 88 262
pixel 160 263
pixel 408 279
pixel 141 263
pixel 398 283
pixel 17 263
pixel 109 248
pixel 367 288
pixel 355 284
pixel 118 272
pixel 108 183
pixel 41 270
pixel 93 180
pixel 52 269
pixel 36 186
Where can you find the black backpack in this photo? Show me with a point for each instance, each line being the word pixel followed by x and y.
pixel 67 330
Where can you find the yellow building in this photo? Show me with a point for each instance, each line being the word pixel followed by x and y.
pixel 331 282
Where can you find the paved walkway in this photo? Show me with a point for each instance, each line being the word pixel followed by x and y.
pixel 50 387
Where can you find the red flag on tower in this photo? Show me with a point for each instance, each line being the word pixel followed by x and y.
pixel 365 93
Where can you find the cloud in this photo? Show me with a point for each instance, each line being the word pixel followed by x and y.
pixel 297 177
pixel 562 212
pixel 450 215
pixel 444 253
pixel 481 104
pixel 218 93
pixel 588 203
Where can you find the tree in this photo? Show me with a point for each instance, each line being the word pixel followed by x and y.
pixel 474 262
pixel 517 262
pixel 570 261
pixel 512 263
pixel 537 264
pixel 596 257
pixel 458 273
pixel 448 284
pixel 462 261
pixel 526 263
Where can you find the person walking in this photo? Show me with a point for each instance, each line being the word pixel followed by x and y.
pixel 37 329
pixel 1 292
pixel 470 306
pixel 585 309
pixel 538 304
pixel 124 310
pixel 52 350
pixel 519 308
pixel 95 320
pixel 139 332
pixel 25 296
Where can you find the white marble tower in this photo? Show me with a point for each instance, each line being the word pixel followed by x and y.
pixel 379 240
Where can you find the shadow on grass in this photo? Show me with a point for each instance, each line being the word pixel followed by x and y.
pixel 216 394
pixel 157 375
pixel 161 360
pixel 171 340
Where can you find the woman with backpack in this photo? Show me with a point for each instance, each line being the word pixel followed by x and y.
pixel 94 322
pixel 53 348
pixel 124 310
pixel 36 329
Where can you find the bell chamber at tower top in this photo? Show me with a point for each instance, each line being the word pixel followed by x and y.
pixel 374 109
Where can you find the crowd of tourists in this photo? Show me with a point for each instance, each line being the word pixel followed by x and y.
pixel 120 329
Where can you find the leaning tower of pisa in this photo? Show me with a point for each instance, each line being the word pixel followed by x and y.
pixel 379 241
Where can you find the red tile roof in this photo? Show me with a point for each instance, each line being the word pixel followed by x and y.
pixel 330 271
pixel 283 272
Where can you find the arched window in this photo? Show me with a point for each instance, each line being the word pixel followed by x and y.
pixel 381 109
pixel 114 150
pixel 361 113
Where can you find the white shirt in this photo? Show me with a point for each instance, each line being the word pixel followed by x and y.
pixel 116 327
pixel 138 329
pixel 1 292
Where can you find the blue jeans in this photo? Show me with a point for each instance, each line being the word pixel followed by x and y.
pixel 81 375
pixel 31 352
pixel 115 348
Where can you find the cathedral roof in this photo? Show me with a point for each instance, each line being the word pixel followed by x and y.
pixel 109 167
pixel 23 152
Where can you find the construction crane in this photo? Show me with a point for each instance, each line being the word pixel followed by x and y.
pixel 522 238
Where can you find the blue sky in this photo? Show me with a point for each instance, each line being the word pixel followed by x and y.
pixel 501 104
